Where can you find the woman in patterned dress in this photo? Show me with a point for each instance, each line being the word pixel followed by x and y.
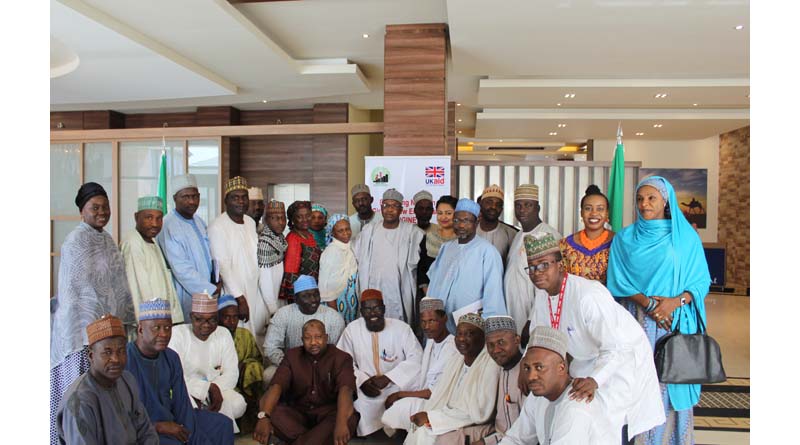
pixel 338 269
pixel 585 253
pixel 302 254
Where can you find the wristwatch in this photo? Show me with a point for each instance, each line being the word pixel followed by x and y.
pixel 262 415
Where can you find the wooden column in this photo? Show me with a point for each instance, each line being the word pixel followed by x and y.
pixel 414 97
pixel 329 160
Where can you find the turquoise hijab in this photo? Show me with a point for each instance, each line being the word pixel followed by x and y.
pixel 663 258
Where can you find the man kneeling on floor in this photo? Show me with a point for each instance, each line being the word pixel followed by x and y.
pixel 549 415
pixel 317 383
pixel 159 372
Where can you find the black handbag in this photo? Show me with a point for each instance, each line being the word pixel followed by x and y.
pixel 689 358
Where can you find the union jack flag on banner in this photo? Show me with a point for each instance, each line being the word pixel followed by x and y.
pixel 434 172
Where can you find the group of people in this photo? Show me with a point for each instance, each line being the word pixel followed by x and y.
pixel 466 329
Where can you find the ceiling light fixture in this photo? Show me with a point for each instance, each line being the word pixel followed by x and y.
pixel 459 131
pixel 558 105
pixel 694 105
pixel 640 134
pixel 661 95
pixel 501 140
pixel 366 36
pixel 739 27
pixel 569 95
pixel 562 125
pixel 458 105
pixel 460 120
pixel 264 101
pixel 553 133
pixel 657 125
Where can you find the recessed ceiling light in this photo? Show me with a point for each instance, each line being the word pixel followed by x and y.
pixel 553 133
pixel 562 125
pixel 501 140
pixel 263 101
pixel 661 95
pixel 458 105
pixel 640 134
pixel 460 120
pixel 366 36
pixel 558 105
pixel 470 143
pixel 739 27
pixel 459 131
pixel 569 95
pixel 657 125
pixel 694 105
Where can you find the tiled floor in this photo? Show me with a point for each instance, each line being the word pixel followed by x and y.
pixel 729 324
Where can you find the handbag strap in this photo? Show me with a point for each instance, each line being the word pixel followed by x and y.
pixel 700 323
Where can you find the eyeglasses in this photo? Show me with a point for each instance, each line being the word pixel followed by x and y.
pixel 541 267
pixel 391 206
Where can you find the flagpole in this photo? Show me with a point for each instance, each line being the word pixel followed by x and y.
pixel 616 184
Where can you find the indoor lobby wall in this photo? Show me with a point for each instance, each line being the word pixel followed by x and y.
pixel 700 153
pixel 734 204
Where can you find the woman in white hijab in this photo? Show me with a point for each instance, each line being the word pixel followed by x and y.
pixel 338 270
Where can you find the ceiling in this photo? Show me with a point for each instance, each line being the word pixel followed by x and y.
pixel 511 63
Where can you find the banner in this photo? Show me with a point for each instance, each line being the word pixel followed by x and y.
pixel 409 175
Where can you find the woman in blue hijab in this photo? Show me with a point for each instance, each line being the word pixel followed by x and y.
pixel 658 270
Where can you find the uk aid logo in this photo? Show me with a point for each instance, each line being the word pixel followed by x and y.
pixel 434 175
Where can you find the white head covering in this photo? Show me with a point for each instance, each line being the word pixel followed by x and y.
pixel 181 182
pixel 255 194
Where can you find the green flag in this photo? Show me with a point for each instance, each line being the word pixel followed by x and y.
pixel 616 184
pixel 162 180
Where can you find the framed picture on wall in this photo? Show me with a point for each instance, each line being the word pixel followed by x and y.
pixel 691 190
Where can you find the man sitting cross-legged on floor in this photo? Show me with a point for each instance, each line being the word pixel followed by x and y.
pixel 316 383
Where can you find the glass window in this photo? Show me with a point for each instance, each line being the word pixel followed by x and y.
pixel 204 164
pixel 140 163
pixel 65 178
pixel 97 167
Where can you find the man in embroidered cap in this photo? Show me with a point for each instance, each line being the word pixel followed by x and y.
pixel 145 268
pixel 315 384
pixel 362 202
pixel 440 349
pixel 184 242
pixel 549 415
pixel 613 364
pixel 251 362
pixel 490 227
pixel 271 251
pixel 502 344
pixel 517 286
pixel 466 393
pixel 423 209
pixel 387 256
pixel 255 206
pixel 386 357
pixel 234 246
pixel 286 327
pixel 159 372
pixel 468 272
pixel 103 405
pixel 210 364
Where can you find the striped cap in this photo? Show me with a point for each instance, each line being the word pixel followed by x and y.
pixel 493 191
pixel 540 246
pixel 150 203
pixel 155 309
pixel 473 319
pixel 235 183
pixel 204 304
pixel 526 191
pixel 107 326
pixel 430 304
pixel 275 207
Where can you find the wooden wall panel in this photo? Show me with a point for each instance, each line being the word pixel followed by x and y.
pixel 272 117
pixel 276 160
pixel 102 120
pixel 70 120
pixel 155 120
pixel 329 159
pixel 415 59
pixel 214 116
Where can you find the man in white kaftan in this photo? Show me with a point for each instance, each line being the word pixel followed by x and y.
pixel 234 243
pixel 549 415
pixel 145 268
pixel 612 359
pixel 466 393
pixel 518 288
pixel 386 359
pixel 439 350
pixel 210 363
pixel 387 256
pixel 362 202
